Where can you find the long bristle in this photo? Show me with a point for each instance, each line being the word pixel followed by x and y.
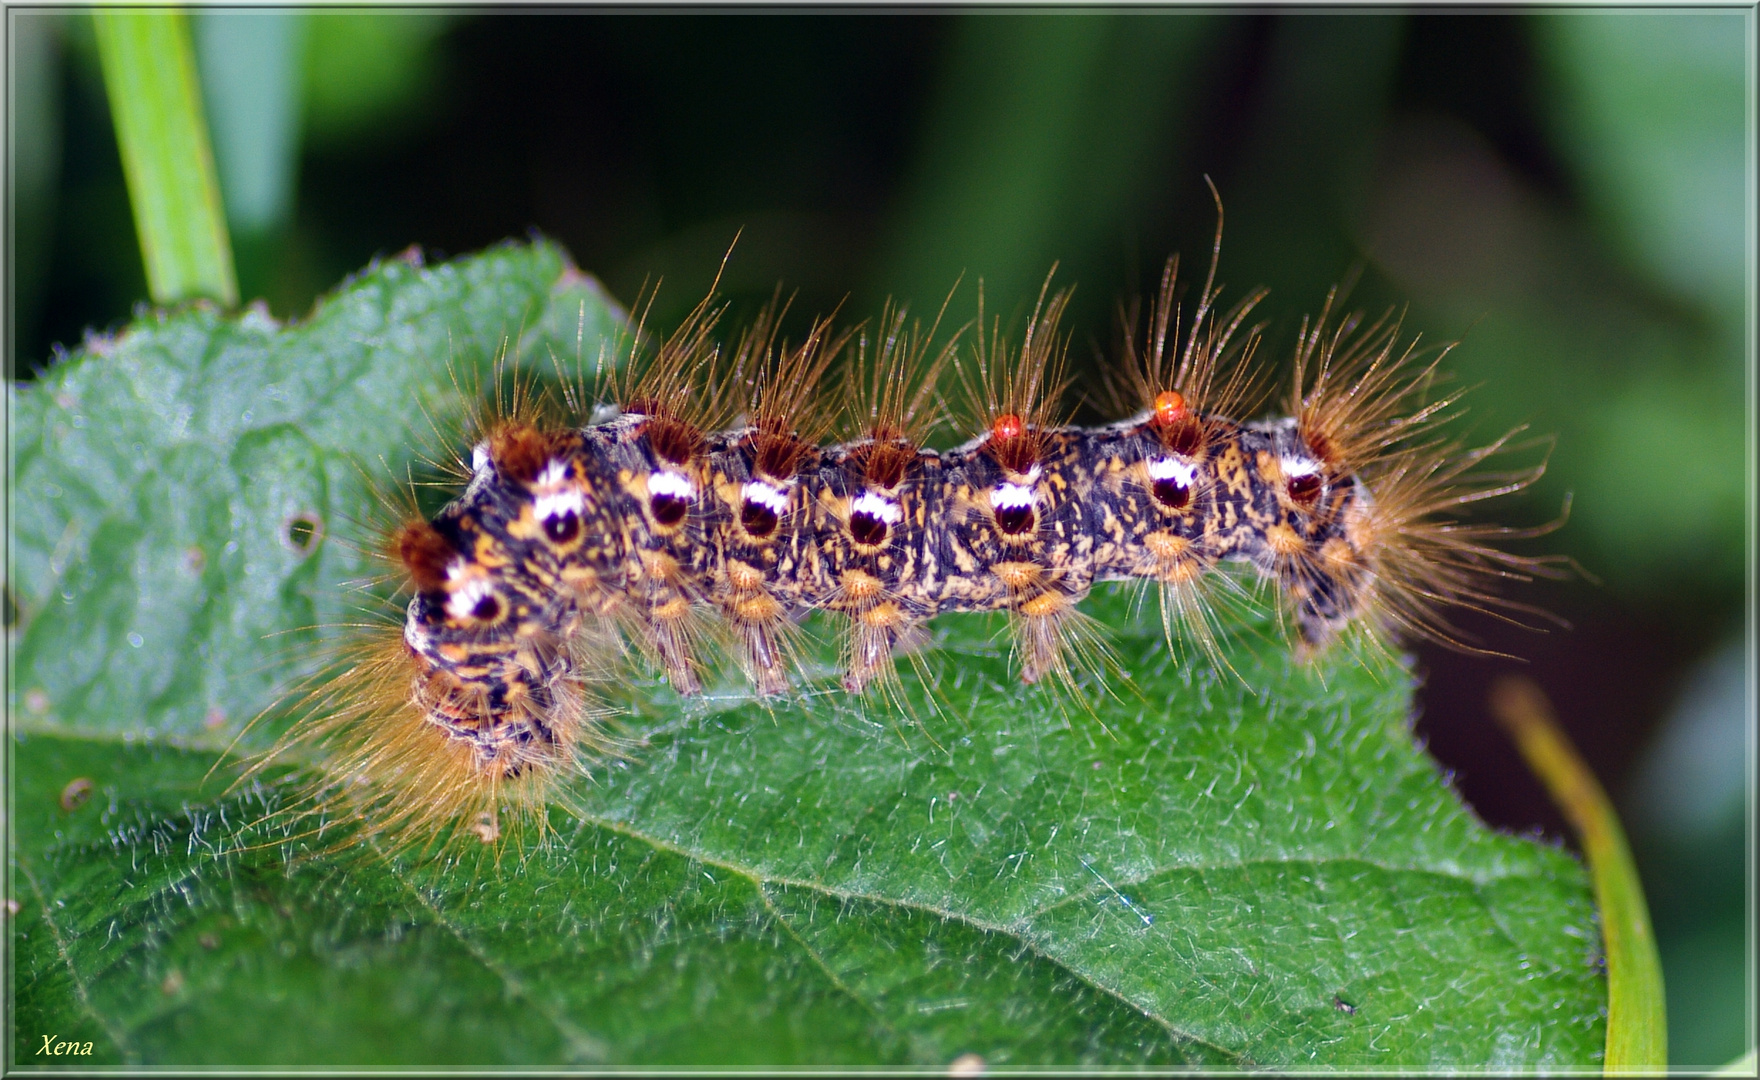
pixel 1015 393
pixel 786 408
pixel 1363 406
pixel 1359 394
pixel 396 777
pixel 891 403
pixel 683 379
pixel 1206 363
pixel 1426 559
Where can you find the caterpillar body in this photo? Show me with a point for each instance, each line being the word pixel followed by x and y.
pixel 707 493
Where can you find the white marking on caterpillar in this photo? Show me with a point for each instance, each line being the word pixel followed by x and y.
pixel 672 485
pixel 1298 466
pixel 554 473
pixel 482 471
pixel 1172 469
pixel 472 589
pixel 765 495
pixel 1012 496
pixel 559 504
pixel 876 506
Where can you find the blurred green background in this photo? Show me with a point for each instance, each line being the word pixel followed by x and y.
pixel 1569 190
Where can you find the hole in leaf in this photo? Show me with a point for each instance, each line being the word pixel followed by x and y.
pixel 75 794
pixel 303 531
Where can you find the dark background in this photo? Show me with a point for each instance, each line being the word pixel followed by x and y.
pixel 1562 189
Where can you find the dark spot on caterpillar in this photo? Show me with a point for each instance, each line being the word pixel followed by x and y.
pixel 1014 520
pixel 668 510
pixel 1320 445
pixel 303 531
pixel 867 529
pixel 1304 490
pixel 1172 494
pixel 562 528
pixel 425 553
pixel 756 518
pixel 520 452
pixel 486 610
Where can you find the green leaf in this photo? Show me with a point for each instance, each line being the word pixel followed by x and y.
pixel 161 475
pixel 1202 869
pixel 155 100
pixel 1651 108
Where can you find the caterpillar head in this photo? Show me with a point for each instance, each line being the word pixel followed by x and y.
pixel 1387 493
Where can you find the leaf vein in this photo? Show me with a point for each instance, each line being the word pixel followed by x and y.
pixel 581 1044
pixel 1016 931
pixel 115 1034
pixel 815 955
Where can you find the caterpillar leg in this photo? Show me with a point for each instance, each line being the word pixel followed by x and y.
pixel 765 640
pixel 669 634
pixel 1052 638
pixel 873 634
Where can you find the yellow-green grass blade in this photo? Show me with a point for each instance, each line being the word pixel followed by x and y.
pixel 150 77
pixel 1637 1018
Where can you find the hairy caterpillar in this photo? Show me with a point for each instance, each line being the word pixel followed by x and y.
pixel 695 492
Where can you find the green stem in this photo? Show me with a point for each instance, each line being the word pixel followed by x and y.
pixel 150 76
pixel 1637 1017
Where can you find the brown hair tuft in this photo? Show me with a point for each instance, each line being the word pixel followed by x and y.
pixel 520 451
pixel 424 552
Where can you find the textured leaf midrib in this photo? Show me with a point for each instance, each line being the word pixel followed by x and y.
pixel 116 1036
pixel 581 1041
pixel 660 843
